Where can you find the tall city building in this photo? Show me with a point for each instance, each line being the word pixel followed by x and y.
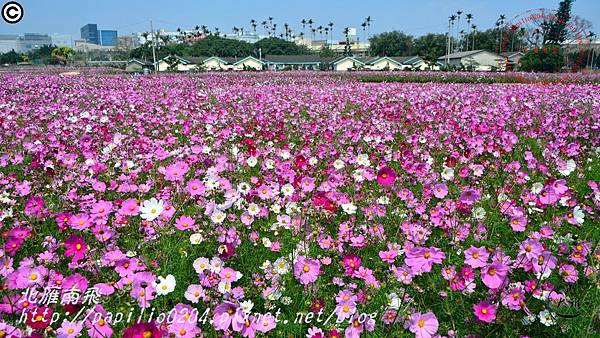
pixel 108 38
pixel 89 33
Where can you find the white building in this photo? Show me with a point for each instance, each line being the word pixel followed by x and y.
pixel 479 60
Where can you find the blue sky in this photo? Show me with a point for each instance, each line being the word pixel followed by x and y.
pixel 414 17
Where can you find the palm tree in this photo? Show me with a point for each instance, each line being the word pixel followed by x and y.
pixel 368 21
pixel 499 23
pixel 320 29
pixel 451 20
pixel 253 24
pixel 217 31
pixel 458 13
pixel 473 31
pixel 364 28
pixel 286 30
pixel 326 34
pixel 469 19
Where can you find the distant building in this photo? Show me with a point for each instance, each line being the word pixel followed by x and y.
pixel 62 40
pixel 29 41
pixel 8 42
pixel 108 37
pixel 480 60
pixel 81 45
pixel 127 42
pixel 89 33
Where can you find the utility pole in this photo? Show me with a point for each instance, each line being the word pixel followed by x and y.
pixel 153 47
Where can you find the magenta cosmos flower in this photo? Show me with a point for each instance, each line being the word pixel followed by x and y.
pixel 76 248
pixel 307 270
pixel 142 330
pixel 423 325
pixel 386 176
pixel 494 275
pixel 485 312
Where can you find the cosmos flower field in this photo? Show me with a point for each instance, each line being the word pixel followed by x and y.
pixel 294 205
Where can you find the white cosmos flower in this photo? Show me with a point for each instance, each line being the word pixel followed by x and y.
pixel 201 264
pixel 547 318
pixel 578 215
pixel 224 287
pixel 276 208
pixel 206 150
pixel 247 306
pixel 448 174
pixel 253 209
pixel 363 159
pixel 218 216
pixel 349 208
pixel 216 264
pixel 312 161
pixel 251 161
pixel 164 285
pixel 537 187
pixel 479 213
pixel 196 238
pixel 243 188
pixel 358 175
pixel 287 190
pixel 281 266
pixel 568 168
pixel 266 242
pixel 338 164
pixel 151 209
pixel 269 163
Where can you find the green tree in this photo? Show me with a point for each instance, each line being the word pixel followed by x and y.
pixel 549 58
pixel 276 46
pixel 391 44
pixel 430 46
pixel 326 52
pixel 62 54
pixel 11 57
pixel 556 29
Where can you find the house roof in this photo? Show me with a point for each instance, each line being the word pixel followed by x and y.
pixel 307 58
pixel 342 58
pixel 511 54
pixel 407 60
pixel 460 55
pixel 246 58
pixel 138 61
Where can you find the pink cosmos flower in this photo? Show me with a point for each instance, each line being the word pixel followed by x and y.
pixel 195 187
pixel 423 325
pixel 80 221
pixel 227 314
pixel 194 292
pixel 76 248
pixel 518 223
pixel 229 275
pixel 548 196
pixel 469 196
pixel 386 176
pixel 476 257
pixel 129 207
pixel 440 190
pixel 493 275
pixel 485 312
pixel 388 256
pixel 306 270
pixel 421 259
pixel 185 223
